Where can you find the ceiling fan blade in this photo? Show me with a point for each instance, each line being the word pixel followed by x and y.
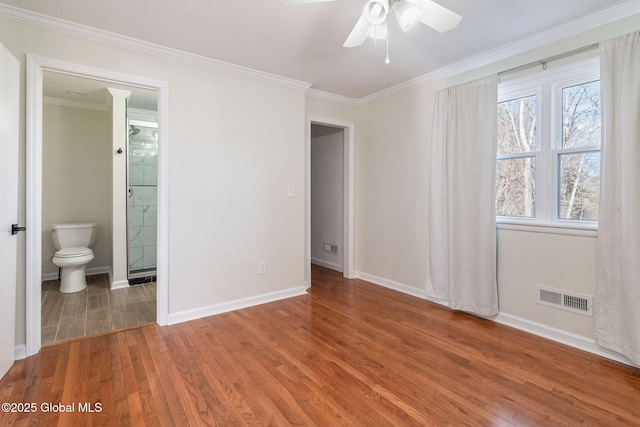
pixel 438 17
pixel 358 34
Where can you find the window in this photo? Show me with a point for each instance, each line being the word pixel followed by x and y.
pixel 517 152
pixel 548 148
pixel 579 155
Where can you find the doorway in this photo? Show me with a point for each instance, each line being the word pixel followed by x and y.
pixel 330 181
pixel 36 69
pixel 327 196
pixel 77 187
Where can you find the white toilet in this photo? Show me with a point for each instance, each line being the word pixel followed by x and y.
pixel 73 244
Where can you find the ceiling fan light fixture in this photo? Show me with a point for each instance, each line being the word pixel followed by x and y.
pixel 408 13
pixel 377 32
pixel 376 11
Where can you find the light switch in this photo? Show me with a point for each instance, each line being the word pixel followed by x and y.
pixel 290 191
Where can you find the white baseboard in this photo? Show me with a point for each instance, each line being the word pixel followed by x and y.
pixel 119 284
pixel 19 352
pixel 330 265
pixel 396 286
pixel 558 335
pixel 198 313
pixel 573 340
pixel 89 272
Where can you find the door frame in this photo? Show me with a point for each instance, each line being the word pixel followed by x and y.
pixel 36 65
pixel 348 205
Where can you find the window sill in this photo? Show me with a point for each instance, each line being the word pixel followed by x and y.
pixel 584 231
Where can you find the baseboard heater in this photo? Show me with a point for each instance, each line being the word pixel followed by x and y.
pixel 565 300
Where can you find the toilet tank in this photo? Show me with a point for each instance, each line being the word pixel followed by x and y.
pixel 74 235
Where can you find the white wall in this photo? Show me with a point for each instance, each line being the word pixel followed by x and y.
pixel 392 184
pixel 392 158
pixel 236 143
pixel 327 195
pixel 528 259
pixel 343 110
pixel 76 177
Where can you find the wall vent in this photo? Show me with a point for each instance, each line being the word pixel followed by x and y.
pixel 331 248
pixel 565 300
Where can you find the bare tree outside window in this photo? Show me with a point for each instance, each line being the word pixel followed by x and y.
pixel 516 166
pixel 579 172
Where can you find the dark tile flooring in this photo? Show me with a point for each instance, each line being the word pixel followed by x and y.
pixel 94 310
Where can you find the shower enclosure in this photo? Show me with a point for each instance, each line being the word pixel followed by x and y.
pixel 142 172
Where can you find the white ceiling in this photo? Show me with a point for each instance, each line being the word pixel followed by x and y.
pixel 304 42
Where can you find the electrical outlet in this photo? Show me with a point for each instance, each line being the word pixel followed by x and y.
pixel 262 267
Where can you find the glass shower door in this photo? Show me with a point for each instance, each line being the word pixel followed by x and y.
pixel 142 203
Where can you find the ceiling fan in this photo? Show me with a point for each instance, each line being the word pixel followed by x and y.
pixel 375 18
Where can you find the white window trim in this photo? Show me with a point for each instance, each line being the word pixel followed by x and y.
pixel 547 86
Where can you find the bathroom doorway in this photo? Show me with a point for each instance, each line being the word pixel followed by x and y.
pixel 45 80
pixel 77 148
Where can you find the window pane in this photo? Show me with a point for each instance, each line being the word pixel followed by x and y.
pixel 515 187
pixel 517 125
pixel 579 186
pixel 581 115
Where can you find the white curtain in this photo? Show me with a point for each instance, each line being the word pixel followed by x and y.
pixel 461 262
pixel 618 304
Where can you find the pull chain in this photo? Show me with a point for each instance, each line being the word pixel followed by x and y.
pixel 386 61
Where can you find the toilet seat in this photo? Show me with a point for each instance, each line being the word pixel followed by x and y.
pixel 73 252
pixel 73 257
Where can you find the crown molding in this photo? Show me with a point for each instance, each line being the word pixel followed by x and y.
pixel 50 23
pixel 332 97
pixel 75 104
pixel 147 115
pixel 552 35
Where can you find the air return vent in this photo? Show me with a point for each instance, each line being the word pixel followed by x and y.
pixel 331 248
pixel 565 300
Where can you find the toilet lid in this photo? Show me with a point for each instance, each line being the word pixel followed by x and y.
pixel 73 252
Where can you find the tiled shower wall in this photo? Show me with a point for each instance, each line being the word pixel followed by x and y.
pixel 143 196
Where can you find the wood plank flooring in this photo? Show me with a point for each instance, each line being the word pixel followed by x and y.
pixel 94 310
pixel 348 353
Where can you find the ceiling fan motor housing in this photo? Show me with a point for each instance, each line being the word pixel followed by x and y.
pixel 376 11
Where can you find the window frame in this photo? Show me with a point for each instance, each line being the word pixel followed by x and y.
pixel 547 85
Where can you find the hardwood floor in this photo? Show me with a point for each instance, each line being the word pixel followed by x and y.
pixel 348 353
pixel 94 310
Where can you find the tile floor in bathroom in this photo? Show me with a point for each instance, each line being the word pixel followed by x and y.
pixel 94 310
